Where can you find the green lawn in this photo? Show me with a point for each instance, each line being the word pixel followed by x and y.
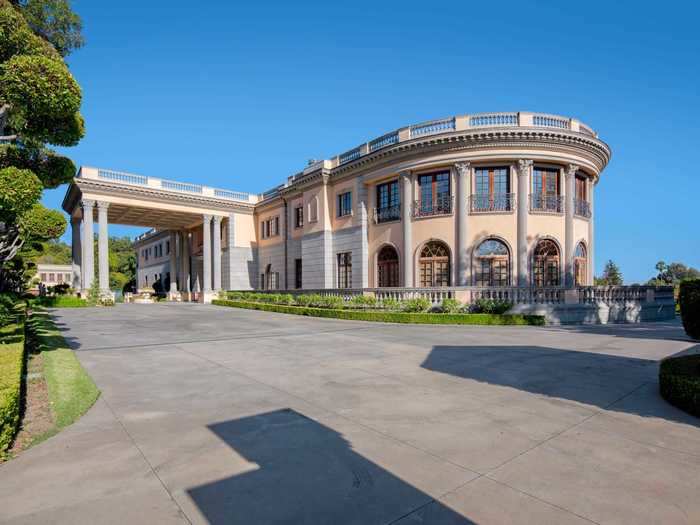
pixel 71 390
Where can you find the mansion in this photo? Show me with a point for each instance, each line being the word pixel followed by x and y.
pixel 485 201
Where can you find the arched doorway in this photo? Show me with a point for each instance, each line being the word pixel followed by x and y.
pixel 492 263
pixel 434 265
pixel 387 267
pixel 546 264
pixel 580 265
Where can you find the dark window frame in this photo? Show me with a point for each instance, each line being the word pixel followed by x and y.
pixel 344 269
pixel 344 204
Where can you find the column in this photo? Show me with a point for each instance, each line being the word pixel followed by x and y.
pixel 217 253
pixel 570 176
pixel 591 240
pixel 76 252
pixel 103 245
pixel 463 173
pixel 186 262
pixel 406 206
pixel 524 167
pixel 88 259
pixel 206 253
pixel 231 242
pixel 173 261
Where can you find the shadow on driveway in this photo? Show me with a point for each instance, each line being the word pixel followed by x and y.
pixel 306 473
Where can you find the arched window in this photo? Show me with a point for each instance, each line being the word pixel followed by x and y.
pixel 581 264
pixel 387 267
pixel 434 265
pixel 546 264
pixel 492 263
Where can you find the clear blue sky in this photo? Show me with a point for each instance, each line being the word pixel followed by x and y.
pixel 240 94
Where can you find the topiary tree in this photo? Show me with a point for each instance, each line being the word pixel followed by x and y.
pixel 39 106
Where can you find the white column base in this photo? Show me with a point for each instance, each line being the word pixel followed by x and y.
pixel 174 296
pixel 208 297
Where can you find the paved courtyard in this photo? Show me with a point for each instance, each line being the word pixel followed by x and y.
pixel 219 415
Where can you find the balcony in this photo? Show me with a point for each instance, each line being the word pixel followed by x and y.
pixel 388 214
pixel 492 203
pixel 541 203
pixel 582 208
pixel 442 205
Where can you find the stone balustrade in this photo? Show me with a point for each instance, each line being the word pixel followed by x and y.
pixel 131 179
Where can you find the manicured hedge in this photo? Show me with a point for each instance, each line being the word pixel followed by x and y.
pixel 689 301
pixel 11 368
pixel 679 382
pixel 60 301
pixel 389 317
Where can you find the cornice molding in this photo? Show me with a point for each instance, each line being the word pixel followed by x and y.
pixel 156 195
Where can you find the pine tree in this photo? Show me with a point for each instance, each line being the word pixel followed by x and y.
pixel 612 276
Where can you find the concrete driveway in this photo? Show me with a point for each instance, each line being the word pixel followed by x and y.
pixel 211 414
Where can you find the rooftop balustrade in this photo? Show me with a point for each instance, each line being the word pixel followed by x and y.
pixel 131 179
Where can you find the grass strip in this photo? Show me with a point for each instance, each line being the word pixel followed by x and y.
pixel 389 317
pixel 71 390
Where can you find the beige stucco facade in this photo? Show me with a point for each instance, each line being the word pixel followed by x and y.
pixel 509 178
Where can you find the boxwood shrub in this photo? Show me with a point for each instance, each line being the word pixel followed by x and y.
pixel 689 301
pixel 389 316
pixel 679 382
pixel 11 369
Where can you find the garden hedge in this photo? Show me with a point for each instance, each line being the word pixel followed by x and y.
pixel 389 317
pixel 11 369
pixel 689 301
pixel 679 382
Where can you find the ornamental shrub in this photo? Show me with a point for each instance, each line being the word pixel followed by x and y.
pixel 390 303
pixel 490 306
pixel 450 306
pixel 419 304
pixel 689 301
pixel 332 302
pixel 363 301
pixel 303 300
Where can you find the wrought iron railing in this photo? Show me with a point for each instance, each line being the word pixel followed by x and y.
pixel 492 202
pixel 540 202
pixel 582 208
pixel 442 205
pixel 387 214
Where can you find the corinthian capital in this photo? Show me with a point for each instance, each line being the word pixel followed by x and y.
pixel 462 168
pixel 87 204
pixel 571 170
pixel 524 166
pixel 102 205
pixel 217 219
pixel 206 219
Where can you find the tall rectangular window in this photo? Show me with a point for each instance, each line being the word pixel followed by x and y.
pixel 344 204
pixel 276 226
pixel 435 195
pixel 580 188
pixel 492 189
pixel 167 247
pixel 545 181
pixel 344 269
pixel 388 202
pixel 297 273
pixel 298 217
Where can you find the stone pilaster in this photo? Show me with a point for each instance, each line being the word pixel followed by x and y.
pixel 463 175
pixel 88 258
pixel 524 168
pixel 217 253
pixel 570 176
pixel 231 243
pixel 76 252
pixel 406 224
pixel 186 285
pixel 363 223
pixel 206 253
